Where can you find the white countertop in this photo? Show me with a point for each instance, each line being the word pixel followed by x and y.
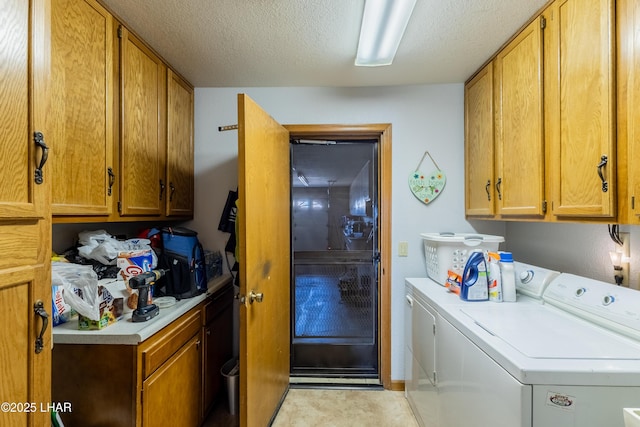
pixel 126 332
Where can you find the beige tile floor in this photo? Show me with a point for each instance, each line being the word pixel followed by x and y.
pixel 348 408
pixel 304 407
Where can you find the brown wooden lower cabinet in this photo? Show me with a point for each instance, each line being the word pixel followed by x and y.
pixel 173 375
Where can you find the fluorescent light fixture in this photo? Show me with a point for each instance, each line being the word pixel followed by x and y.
pixel 303 179
pixel 383 24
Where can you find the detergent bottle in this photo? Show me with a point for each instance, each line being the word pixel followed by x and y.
pixel 508 277
pixel 475 282
pixel 495 277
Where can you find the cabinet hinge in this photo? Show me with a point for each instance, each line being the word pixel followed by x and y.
pixel 543 22
pixel 544 206
pixel 633 202
pixel 120 31
pixel 119 206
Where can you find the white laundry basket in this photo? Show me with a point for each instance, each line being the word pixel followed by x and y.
pixel 449 251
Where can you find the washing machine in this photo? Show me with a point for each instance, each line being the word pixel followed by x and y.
pixel 566 353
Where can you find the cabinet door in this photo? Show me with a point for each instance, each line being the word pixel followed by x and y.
pixel 581 120
pixel 179 200
pixel 81 112
pixel 479 144
pixel 142 81
pixel 20 195
pixel 519 125
pixel 25 373
pixel 629 106
pixel 174 391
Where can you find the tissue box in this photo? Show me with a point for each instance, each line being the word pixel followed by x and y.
pixel 111 310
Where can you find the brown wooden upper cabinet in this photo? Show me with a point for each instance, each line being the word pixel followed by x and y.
pixel 479 145
pixel 554 119
pixel 80 115
pixel 142 183
pixel 580 113
pixel 520 167
pixel 179 171
pixel 628 16
pixel 121 122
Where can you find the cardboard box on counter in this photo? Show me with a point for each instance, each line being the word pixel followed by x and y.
pixel 111 310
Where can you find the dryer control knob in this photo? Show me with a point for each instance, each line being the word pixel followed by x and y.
pixel 608 299
pixel 580 291
pixel 526 276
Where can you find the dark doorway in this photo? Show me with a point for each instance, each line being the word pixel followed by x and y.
pixel 334 229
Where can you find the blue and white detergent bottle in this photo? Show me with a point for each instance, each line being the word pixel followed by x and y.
pixel 475 283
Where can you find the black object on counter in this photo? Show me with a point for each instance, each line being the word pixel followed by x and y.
pixel 142 282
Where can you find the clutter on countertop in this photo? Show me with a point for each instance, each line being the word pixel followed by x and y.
pixel 91 280
pixel 61 310
pixel 134 262
pixel 77 286
pixel 111 310
pixel 98 245
pixel 126 332
pixel 183 255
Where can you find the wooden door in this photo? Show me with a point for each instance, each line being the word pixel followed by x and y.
pixel 179 200
pixel 519 125
pixel 142 82
pixel 479 144
pixel 25 226
pixel 81 108
pixel 581 119
pixel 264 258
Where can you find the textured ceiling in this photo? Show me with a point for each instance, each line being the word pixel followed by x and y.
pixel 265 43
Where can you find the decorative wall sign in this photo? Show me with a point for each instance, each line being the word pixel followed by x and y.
pixel 426 187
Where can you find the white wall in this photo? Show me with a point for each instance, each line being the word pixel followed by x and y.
pixel 581 249
pixel 422 117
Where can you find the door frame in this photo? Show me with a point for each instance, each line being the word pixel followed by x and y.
pixel 381 132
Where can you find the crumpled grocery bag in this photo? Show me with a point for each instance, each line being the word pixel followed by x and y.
pixel 80 284
pixel 100 246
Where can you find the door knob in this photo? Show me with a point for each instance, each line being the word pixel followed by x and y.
pixel 255 297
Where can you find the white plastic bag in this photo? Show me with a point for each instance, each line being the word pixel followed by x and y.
pixel 99 246
pixel 102 247
pixel 80 284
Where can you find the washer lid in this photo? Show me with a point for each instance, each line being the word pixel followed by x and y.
pixel 540 332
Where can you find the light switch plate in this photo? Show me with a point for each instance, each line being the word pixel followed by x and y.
pixel 403 249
